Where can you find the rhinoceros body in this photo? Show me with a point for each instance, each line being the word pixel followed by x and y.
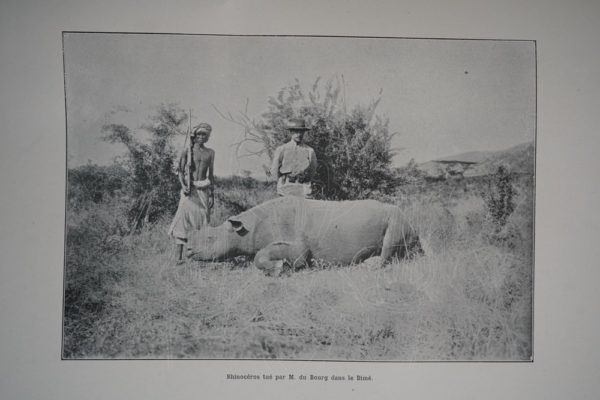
pixel 295 229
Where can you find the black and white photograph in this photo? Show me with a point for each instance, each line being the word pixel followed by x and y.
pixel 315 198
pixel 299 200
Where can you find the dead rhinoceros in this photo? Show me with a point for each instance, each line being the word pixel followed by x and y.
pixel 292 231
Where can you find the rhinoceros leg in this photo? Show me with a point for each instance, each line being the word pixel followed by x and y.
pixel 279 257
pixel 364 254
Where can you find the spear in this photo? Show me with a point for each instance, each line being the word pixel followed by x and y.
pixel 189 155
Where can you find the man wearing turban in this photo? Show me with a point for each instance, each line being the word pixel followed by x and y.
pixel 197 199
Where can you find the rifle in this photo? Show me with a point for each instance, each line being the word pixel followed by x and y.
pixel 189 175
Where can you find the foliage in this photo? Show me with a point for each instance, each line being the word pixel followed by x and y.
pixel 154 186
pixel 95 183
pixel 499 198
pixel 409 174
pixel 236 194
pixel 353 146
pixel 94 239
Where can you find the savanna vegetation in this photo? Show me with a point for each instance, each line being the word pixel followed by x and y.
pixel 468 298
pixel 352 143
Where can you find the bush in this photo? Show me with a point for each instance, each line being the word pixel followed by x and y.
pixel 235 194
pixel 93 183
pixel 154 184
pixel 499 199
pixel 353 147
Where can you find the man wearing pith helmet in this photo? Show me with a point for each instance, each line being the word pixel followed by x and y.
pixel 197 198
pixel 294 163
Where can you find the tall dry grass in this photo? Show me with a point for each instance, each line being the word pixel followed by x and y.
pixel 467 298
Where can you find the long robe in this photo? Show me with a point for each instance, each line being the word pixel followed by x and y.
pixel 192 214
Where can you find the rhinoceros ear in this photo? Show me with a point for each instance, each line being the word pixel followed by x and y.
pixel 238 226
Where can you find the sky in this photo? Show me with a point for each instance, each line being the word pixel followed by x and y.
pixel 442 97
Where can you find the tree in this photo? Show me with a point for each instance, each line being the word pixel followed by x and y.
pixel 154 186
pixel 353 147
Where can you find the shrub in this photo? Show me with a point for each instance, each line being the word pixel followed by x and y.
pixel 154 185
pixel 353 147
pixel 235 194
pixel 499 198
pixel 93 183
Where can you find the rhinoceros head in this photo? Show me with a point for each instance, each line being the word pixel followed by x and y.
pixel 217 243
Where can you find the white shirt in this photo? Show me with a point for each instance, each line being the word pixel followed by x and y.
pixel 294 159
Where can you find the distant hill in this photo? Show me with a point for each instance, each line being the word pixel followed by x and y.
pixel 519 159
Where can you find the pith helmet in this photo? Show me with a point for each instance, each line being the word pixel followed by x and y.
pixel 297 124
pixel 202 128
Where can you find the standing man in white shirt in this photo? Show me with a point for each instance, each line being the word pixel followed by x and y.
pixel 294 163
